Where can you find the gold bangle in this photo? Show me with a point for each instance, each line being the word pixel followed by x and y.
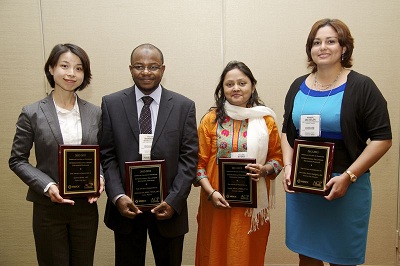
pixel 209 196
pixel 353 177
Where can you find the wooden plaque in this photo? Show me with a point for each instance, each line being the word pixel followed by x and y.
pixel 311 166
pixel 79 170
pixel 237 187
pixel 145 183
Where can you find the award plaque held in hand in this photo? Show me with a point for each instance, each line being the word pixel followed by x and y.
pixel 237 187
pixel 145 183
pixel 311 166
pixel 79 170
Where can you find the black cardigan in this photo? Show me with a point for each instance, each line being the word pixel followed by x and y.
pixel 364 114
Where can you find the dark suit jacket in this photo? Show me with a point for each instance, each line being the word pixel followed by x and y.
pixel 38 124
pixel 175 141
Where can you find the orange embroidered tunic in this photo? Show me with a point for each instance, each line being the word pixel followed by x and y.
pixel 222 237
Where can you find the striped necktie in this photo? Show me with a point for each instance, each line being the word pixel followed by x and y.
pixel 145 116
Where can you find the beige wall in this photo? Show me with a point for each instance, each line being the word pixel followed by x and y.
pixel 198 38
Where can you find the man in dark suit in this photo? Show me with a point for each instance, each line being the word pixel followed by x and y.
pixel 173 138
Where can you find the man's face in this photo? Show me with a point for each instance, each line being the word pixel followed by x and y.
pixel 146 69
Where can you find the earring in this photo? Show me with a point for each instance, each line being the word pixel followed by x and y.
pixel 342 56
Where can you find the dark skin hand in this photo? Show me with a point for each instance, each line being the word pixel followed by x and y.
pixel 127 208
pixel 163 211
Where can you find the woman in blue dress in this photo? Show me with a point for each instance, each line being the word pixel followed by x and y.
pixel 345 108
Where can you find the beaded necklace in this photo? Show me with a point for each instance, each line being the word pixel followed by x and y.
pixel 324 87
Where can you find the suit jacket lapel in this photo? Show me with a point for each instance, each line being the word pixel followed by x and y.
pixel 164 112
pixel 129 102
pixel 86 120
pixel 49 111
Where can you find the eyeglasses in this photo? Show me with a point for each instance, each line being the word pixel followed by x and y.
pixel 152 68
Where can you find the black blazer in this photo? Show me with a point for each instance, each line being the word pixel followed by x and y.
pixel 363 115
pixel 175 140
pixel 38 124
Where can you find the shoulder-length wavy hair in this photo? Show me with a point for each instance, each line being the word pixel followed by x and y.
pixel 344 36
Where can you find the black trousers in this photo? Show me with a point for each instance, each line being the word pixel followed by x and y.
pixel 130 249
pixel 65 235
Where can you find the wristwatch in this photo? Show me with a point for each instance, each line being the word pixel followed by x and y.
pixel 353 177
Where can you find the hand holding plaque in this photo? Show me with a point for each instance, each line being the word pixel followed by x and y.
pixel 311 166
pixel 237 187
pixel 79 170
pixel 145 183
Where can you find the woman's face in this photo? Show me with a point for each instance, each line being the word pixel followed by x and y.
pixel 237 88
pixel 326 50
pixel 68 72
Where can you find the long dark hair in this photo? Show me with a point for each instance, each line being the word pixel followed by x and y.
pixel 219 95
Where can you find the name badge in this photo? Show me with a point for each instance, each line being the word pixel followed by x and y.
pixel 146 157
pixel 239 155
pixel 310 126
pixel 145 142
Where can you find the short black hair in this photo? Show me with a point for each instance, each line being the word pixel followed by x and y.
pixel 54 56
pixel 151 47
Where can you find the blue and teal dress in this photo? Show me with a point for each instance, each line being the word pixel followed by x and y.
pixel 331 231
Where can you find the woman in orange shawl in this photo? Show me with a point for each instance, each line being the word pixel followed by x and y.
pixel 239 127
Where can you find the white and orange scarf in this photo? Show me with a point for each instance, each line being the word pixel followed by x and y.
pixel 257 147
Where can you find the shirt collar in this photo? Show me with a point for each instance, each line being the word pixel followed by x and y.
pixel 63 111
pixel 156 94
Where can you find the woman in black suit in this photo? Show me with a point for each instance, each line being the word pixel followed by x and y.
pixel 65 230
